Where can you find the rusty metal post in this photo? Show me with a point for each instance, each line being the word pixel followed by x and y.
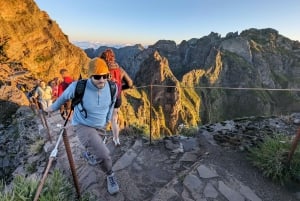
pixel 33 106
pixel 294 146
pixel 40 187
pixel 47 126
pixel 52 157
pixel 39 110
pixel 150 129
pixel 43 118
pixel 71 162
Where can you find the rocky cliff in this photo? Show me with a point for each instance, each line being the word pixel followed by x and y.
pixel 31 41
pixel 31 46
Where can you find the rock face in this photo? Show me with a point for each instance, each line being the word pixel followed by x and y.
pixel 31 39
pixel 31 46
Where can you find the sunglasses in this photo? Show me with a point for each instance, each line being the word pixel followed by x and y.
pixel 98 77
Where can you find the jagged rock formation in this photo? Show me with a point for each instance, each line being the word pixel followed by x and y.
pixel 164 99
pixel 255 58
pixel 169 103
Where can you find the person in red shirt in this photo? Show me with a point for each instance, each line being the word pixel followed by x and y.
pixel 54 85
pixel 118 75
pixel 65 109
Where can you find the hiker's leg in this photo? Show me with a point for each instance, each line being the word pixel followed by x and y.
pixel 114 121
pixel 90 138
pixel 43 104
pixel 49 102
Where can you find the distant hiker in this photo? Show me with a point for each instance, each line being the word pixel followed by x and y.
pixel 65 109
pixel 44 95
pixel 32 91
pixel 54 85
pixel 119 76
pixel 33 100
pixel 93 114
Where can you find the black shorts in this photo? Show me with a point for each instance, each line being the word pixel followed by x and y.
pixel 118 102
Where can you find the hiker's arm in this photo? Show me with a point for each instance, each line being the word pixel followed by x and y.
pixel 126 78
pixel 112 106
pixel 65 96
pixel 35 93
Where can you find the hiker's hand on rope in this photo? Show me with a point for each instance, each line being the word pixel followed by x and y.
pixel 48 109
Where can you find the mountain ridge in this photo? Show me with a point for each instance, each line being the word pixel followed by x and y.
pixel 256 58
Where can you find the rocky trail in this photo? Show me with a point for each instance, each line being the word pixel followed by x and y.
pixel 202 168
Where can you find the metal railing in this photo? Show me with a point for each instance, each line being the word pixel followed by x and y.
pixel 149 90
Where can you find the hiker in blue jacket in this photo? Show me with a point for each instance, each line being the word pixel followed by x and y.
pixel 93 114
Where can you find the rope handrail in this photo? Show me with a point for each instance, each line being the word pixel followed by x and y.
pixel 229 88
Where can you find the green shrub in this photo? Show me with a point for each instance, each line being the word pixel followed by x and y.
pixel 57 188
pixel 271 158
pixel 31 167
pixel 22 190
pixel 140 129
pixel 188 131
pixel 37 146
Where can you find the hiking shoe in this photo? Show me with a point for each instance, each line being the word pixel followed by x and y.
pixel 105 140
pixel 90 158
pixel 115 141
pixel 112 185
pixel 118 142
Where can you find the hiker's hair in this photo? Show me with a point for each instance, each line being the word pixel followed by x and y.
pixel 63 70
pixel 108 55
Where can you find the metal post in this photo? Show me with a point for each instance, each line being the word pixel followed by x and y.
pixel 51 158
pixel 53 155
pixel 71 162
pixel 48 129
pixel 43 118
pixel 39 110
pixel 294 146
pixel 150 114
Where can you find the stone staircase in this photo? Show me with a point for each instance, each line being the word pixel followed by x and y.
pixel 171 169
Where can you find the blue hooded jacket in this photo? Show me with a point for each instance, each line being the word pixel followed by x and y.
pixel 97 103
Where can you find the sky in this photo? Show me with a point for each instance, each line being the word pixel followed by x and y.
pixel 147 21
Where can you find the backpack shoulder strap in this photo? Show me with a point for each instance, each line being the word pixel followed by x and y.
pixel 79 91
pixel 113 89
pixel 80 88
